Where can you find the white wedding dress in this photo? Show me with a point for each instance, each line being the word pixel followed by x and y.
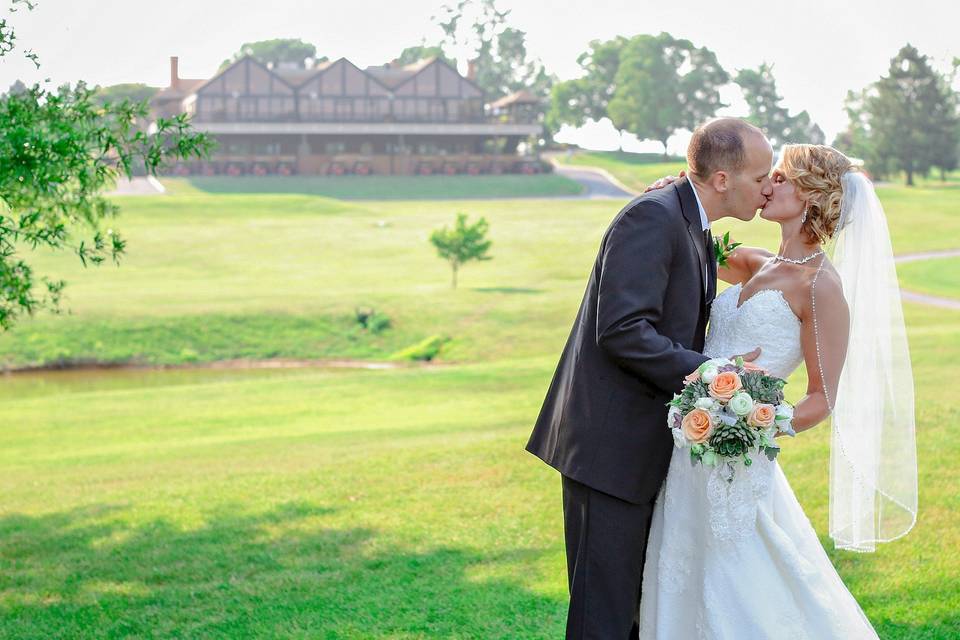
pixel 740 560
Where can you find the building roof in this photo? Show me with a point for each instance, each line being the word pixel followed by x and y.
pixel 299 76
pixel 517 97
pixel 392 76
pixel 185 86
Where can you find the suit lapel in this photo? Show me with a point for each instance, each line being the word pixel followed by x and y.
pixel 688 206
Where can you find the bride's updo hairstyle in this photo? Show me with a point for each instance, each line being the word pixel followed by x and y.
pixel 816 171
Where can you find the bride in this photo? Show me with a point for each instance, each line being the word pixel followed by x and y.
pixel 740 559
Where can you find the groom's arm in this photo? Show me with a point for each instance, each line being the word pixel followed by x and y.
pixel 634 270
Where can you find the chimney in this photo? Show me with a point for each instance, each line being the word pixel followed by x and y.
pixel 471 69
pixel 174 72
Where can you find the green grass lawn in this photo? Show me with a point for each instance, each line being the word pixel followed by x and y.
pixel 382 187
pixel 634 170
pixel 356 504
pixel 213 277
pixel 939 277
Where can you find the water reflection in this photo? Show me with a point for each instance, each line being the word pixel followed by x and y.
pixel 60 382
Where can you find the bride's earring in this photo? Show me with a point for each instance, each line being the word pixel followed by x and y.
pixel 803 218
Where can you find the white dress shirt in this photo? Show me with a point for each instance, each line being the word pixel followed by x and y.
pixel 704 221
pixel 705 224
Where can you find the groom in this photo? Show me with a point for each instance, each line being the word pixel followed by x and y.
pixel 639 332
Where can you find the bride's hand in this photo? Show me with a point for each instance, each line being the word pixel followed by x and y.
pixel 664 181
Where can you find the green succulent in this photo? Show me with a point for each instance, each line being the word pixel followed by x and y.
pixel 733 440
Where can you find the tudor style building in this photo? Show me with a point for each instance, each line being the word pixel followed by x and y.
pixel 337 118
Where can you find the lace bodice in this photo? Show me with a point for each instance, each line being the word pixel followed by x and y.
pixel 764 320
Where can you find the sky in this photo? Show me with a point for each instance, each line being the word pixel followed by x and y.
pixel 819 49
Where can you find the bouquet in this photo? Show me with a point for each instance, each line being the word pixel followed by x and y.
pixel 728 409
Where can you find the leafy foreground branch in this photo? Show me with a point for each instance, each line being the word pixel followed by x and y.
pixel 59 152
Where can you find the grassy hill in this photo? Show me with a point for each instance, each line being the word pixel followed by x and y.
pixel 350 503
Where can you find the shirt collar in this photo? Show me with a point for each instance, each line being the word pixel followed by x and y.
pixel 704 221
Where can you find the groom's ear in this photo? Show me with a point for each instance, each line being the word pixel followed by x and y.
pixel 720 181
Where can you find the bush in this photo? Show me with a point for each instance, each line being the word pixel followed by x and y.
pixel 378 322
pixel 372 320
pixel 425 350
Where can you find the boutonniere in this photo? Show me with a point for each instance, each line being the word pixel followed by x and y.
pixel 722 248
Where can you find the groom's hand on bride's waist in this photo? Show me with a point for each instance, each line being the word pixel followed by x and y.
pixel 748 357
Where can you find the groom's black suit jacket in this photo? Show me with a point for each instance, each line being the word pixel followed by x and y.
pixel 639 331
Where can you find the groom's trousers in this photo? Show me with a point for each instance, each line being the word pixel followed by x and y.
pixel 606 540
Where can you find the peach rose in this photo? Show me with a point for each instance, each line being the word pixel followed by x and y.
pixel 697 426
pixel 693 377
pixel 762 416
pixel 725 385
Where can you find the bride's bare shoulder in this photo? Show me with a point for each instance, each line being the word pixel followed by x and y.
pixel 824 288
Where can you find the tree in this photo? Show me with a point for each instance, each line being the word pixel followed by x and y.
pixel 59 151
pixel 576 101
pixel 477 29
pixel 422 51
pixel 856 140
pixel 664 84
pixel 462 244
pixel 760 91
pixel 134 92
pixel 908 111
pixel 274 53
pixel 946 145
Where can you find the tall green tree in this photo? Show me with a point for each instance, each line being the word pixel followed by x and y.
pixel 909 110
pixel 577 101
pixel 463 243
pixel 760 92
pixel 664 84
pixel 479 30
pixel 857 140
pixel 272 53
pixel 947 121
pixel 59 151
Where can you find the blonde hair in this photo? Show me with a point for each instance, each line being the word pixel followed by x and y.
pixel 816 171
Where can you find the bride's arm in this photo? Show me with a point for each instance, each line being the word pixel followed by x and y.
pixel 823 364
pixel 742 263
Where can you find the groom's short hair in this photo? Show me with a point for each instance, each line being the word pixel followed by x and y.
pixel 718 146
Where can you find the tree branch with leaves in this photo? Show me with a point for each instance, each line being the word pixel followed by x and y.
pixel 60 151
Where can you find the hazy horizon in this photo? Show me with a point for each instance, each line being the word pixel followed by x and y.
pixel 818 52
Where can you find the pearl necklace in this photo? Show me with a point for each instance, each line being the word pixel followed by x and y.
pixel 800 260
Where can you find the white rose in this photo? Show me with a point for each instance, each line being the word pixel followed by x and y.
pixel 741 404
pixel 716 363
pixel 704 403
pixel 709 374
pixel 784 419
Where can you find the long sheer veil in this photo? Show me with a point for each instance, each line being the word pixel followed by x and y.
pixel 873 460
